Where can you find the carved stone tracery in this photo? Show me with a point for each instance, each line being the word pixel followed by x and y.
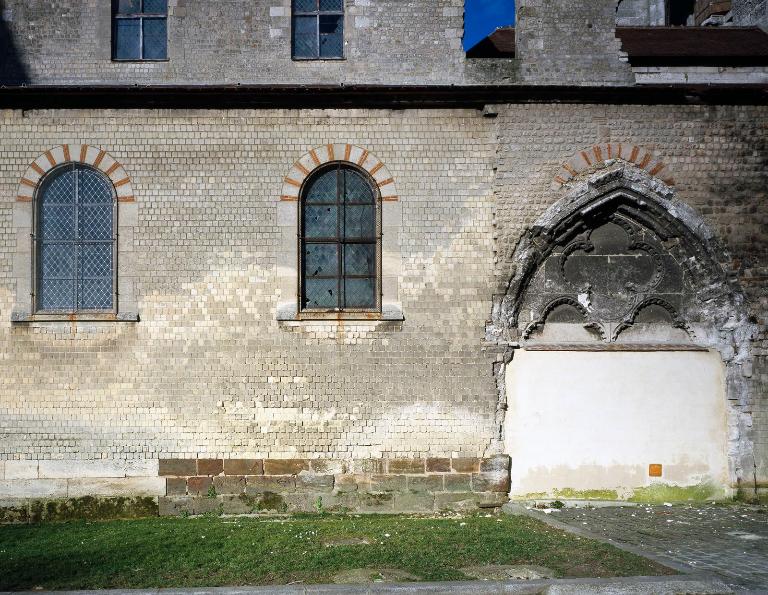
pixel 685 288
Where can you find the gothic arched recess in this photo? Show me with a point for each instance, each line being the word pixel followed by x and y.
pixel 617 264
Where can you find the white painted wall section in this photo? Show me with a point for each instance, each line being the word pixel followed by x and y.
pixel 597 420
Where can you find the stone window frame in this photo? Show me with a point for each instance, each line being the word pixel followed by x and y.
pixel 24 269
pixel 289 204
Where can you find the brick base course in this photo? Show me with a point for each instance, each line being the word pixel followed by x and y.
pixel 239 486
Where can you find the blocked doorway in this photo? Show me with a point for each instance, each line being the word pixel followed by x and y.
pixel 646 425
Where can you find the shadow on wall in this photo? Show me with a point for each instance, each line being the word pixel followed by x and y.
pixel 12 69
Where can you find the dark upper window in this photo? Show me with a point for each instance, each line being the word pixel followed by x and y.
pixel 318 29
pixel 74 241
pixel 139 29
pixel 680 12
pixel 340 241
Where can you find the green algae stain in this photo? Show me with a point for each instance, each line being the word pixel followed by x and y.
pixel 85 508
pixel 571 494
pixel 662 492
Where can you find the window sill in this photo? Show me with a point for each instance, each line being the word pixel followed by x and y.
pixel 290 313
pixel 341 59
pixel 139 60
pixel 26 317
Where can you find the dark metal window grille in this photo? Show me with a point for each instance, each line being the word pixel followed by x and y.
pixel 340 233
pixel 140 29
pixel 318 29
pixel 74 241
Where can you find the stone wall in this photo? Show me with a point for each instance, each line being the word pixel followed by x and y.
pixel 713 157
pixel 750 12
pixel 210 372
pixel 569 43
pixel 386 41
pixel 237 486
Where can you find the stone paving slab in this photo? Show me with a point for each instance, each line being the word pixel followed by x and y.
pixel 701 583
pixel 728 540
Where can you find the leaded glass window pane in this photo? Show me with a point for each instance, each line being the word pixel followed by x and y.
pixel 56 294
pixel 321 260
pixel 321 293
pixel 140 30
pixel 304 5
pixel 332 5
pixel 318 29
pixel 339 243
pixel 323 188
pixel 356 188
pixel 360 259
pixel 75 241
pixel 94 294
pixel 321 222
pixel 156 6
pixel 127 39
pixel 155 39
pixel 331 36
pixel 360 222
pixel 305 37
pixel 128 6
pixel 359 293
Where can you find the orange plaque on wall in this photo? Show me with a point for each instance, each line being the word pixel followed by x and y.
pixel 654 470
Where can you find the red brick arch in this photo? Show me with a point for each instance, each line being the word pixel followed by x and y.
pixel 87 154
pixel 338 152
pixel 590 158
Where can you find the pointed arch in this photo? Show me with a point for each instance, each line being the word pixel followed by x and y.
pixel 709 305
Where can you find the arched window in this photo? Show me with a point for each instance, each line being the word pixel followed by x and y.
pixel 75 241
pixel 340 241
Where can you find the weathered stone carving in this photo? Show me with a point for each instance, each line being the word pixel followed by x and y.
pixel 618 259
pixel 608 250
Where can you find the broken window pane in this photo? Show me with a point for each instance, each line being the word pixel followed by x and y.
pixel 317 31
pixel 339 245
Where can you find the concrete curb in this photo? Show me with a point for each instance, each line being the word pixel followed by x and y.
pixel 699 583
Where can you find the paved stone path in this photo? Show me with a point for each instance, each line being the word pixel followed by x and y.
pixel 729 540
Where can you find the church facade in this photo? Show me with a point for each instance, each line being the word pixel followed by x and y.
pixel 319 255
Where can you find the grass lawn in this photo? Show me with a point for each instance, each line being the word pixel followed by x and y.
pixel 203 551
